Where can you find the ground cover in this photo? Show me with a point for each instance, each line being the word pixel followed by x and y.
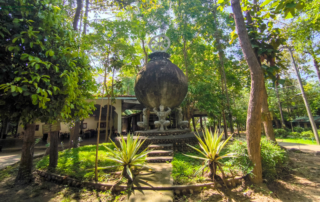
pixel 40 190
pixel 274 163
pixel 301 185
pixel 79 162
pixel 297 140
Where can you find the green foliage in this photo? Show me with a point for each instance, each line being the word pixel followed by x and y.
pixel 281 132
pixel 307 134
pixel 274 159
pixel 210 148
pixel 127 155
pixel 183 169
pixel 44 75
pixel 242 163
pixel 294 134
pixel 75 162
pixel 298 129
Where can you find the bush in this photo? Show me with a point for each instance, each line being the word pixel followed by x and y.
pixel 281 132
pixel 307 134
pixel 274 159
pixel 298 129
pixel 295 134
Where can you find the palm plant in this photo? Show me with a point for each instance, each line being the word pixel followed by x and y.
pixel 211 146
pixel 127 155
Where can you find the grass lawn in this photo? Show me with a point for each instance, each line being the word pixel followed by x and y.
pixel 184 167
pixel 77 162
pixel 297 140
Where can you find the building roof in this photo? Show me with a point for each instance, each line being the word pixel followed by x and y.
pixel 305 119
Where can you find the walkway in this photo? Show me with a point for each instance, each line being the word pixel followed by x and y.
pixel 161 177
pixel 8 159
pixel 301 147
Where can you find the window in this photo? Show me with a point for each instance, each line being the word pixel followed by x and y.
pixel 37 127
pixel 84 126
pixel 103 125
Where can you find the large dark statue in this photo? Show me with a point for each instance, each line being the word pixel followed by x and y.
pixel 160 82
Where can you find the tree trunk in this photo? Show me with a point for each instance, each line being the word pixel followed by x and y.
pixel 75 135
pixel 254 108
pixel 86 18
pixel 316 66
pixel 222 70
pixel 4 128
pixel 25 169
pixel 77 15
pixel 185 57
pixel 145 52
pixel 225 129
pixel 111 108
pixel 70 138
pixel 194 124
pixel 98 135
pixel 313 125
pixel 53 152
pixel 201 126
pixel 266 116
pixel 17 126
pixel 280 107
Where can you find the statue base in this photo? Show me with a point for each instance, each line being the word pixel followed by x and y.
pixel 156 132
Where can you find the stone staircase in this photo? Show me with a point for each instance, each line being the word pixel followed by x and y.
pixel 160 153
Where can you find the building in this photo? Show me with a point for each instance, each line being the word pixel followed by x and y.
pixel 123 120
pixel 91 123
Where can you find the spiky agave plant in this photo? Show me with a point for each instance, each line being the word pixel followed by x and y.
pixel 127 155
pixel 210 148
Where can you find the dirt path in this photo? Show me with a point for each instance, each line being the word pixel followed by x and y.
pixel 8 159
pixel 301 147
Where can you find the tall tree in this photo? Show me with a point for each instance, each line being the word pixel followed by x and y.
pixel 44 76
pixel 254 108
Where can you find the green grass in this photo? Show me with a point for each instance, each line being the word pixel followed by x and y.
pixel 7 172
pixel 297 140
pixel 75 162
pixel 183 169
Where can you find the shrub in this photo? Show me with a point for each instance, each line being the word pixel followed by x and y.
pixel 274 159
pixel 281 132
pixel 211 146
pixel 294 134
pixel 307 129
pixel 307 134
pixel 298 129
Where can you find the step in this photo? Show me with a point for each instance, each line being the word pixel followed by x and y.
pixel 159 159
pixel 160 146
pixel 161 153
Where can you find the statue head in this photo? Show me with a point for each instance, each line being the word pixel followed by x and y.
pixel 144 111
pixel 161 107
pixel 179 109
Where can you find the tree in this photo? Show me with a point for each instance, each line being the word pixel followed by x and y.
pixel 254 109
pixel 44 74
